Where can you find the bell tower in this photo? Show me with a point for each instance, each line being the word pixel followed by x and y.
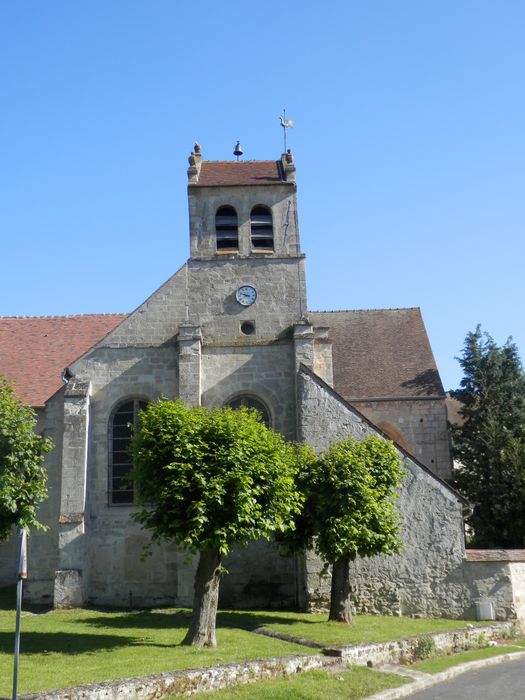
pixel 242 208
pixel 246 327
pixel 245 260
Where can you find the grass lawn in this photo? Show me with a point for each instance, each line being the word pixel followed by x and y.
pixel 72 647
pixel 65 648
pixel 357 682
pixel 366 628
pixel 441 663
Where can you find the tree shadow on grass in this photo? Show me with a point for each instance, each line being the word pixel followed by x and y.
pixel 248 620
pixel 64 643
pixel 145 619
pixel 180 619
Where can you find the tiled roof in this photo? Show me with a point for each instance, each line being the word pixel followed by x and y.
pixel 495 554
pixel 380 353
pixel 34 351
pixel 216 173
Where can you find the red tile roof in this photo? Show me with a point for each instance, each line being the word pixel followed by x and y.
pixel 380 353
pixel 34 351
pixel 217 173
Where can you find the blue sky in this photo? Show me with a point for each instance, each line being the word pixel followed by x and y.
pixel 409 141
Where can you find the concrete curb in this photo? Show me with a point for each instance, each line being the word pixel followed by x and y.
pixel 432 679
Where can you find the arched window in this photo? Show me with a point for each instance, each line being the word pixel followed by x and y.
pixel 262 228
pixel 251 402
pixel 226 229
pixel 120 461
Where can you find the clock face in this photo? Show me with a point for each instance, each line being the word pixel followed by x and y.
pixel 246 295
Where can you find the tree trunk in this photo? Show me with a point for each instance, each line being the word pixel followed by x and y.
pixel 205 599
pixel 340 595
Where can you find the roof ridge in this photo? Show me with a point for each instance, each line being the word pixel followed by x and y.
pixel 253 160
pixel 106 313
pixel 345 311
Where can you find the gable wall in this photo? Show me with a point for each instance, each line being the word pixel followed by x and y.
pixel 141 359
pixel 427 577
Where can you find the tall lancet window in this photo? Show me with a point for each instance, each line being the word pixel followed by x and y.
pixel 226 229
pixel 120 461
pixel 262 229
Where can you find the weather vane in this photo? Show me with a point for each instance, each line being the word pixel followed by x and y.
pixel 286 124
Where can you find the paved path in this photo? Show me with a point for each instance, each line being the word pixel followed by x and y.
pixel 496 678
pixel 499 682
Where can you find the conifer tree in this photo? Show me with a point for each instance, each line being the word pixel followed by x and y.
pixel 489 445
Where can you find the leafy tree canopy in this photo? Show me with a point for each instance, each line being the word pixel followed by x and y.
pixel 350 504
pixel 349 510
pixel 210 479
pixel 489 445
pixel 22 475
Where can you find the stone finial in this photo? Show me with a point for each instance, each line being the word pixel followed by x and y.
pixel 195 161
pixel 288 166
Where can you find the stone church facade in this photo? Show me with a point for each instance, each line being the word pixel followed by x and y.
pixel 232 326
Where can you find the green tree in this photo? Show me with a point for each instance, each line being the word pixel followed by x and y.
pixel 209 480
pixel 349 510
pixel 489 445
pixel 22 474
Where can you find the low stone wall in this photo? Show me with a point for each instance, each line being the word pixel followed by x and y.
pixel 496 577
pixel 408 650
pixel 517 572
pixel 189 681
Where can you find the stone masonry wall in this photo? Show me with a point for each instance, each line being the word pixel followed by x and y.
pixel 43 544
pixel 9 559
pixel 140 360
pixel 517 573
pixel 203 205
pixel 202 292
pixel 487 581
pixel 418 425
pixel 421 580
pixel 264 371
pixel 116 573
pixel 259 576
pixel 431 577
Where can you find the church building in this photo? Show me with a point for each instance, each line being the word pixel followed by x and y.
pixel 232 327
